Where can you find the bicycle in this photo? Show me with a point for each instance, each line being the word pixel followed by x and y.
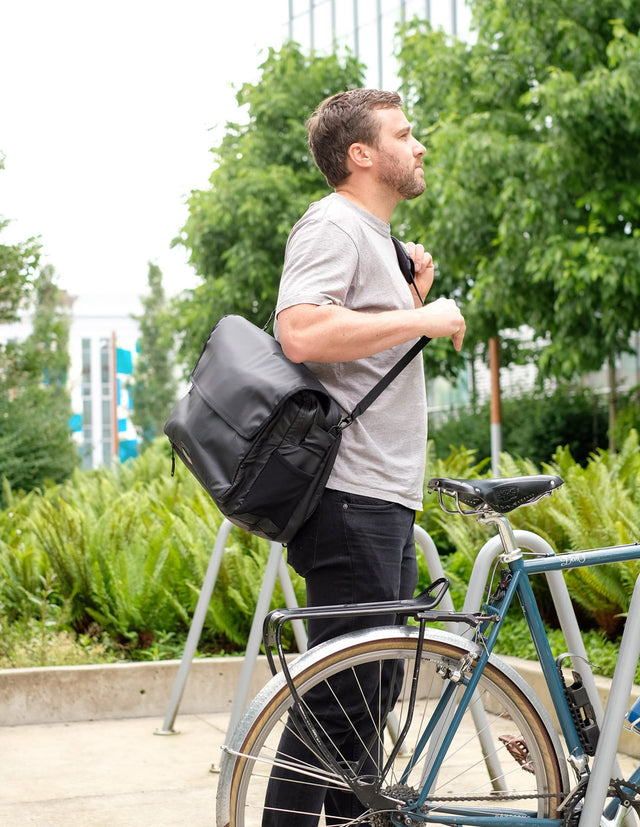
pixel 471 744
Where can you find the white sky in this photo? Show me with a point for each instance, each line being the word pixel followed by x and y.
pixel 107 114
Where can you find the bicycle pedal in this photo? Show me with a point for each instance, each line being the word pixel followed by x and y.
pixel 518 749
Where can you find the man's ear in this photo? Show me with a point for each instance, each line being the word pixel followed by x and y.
pixel 359 155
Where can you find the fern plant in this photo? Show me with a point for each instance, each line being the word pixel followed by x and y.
pixel 126 549
pixel 238 588
pixel 599 505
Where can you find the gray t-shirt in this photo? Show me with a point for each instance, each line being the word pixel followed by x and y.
pixel 338 253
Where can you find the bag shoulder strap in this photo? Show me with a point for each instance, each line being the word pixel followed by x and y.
pixel 383 383
pixel 408 271
pixel 407 267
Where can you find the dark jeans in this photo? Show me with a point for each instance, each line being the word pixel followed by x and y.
pixel 353 549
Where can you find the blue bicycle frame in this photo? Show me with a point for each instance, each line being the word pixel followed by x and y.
pixel 521 569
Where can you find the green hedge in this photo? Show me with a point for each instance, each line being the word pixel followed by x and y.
pixel 533 426
pixel 120 555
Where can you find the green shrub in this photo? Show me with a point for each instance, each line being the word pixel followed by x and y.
pixel 534 425
pixel 126 551
pixel 601 652
pixel 627 415
pixel 117 557
pixel 27 643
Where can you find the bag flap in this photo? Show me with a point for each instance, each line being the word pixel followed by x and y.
pixel 243 375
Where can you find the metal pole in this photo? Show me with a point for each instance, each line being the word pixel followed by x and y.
pixel 115 448
pixel 379 27
pixel 621 684
pixel 356 30
pixel 255 637
pixel 195 630
pixel 334 29
pixel 291 602
pixel 434 567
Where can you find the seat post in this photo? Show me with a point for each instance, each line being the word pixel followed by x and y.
pixel 507 537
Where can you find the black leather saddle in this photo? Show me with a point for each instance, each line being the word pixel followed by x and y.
pixel 500 495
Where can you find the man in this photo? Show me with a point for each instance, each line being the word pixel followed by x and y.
pixel 345 309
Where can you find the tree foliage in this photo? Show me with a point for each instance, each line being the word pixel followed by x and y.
pixel 154 385
pixel 534 425
pixel 264 179
pixel 533 171
pixel 35 441
pixel 18 263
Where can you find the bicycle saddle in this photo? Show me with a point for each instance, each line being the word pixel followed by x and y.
pixel 500 495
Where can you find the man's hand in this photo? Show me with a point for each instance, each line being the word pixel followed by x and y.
pixel 423 263
pixel 445 319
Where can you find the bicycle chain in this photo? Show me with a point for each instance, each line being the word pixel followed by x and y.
pixel 490 797
pixel 406 793
pixel 618 788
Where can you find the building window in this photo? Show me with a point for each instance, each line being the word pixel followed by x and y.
pixel 106 401
pixel 86 447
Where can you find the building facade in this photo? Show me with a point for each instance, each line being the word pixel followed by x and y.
pixel 368 28
pixel 102 345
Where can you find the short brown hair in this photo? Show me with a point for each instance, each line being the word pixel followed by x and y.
pixel 344 119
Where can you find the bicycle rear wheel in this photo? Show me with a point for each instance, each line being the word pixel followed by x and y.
pixel 505 758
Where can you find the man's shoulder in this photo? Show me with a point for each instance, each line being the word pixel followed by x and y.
pixel 331 208
pixel 338 212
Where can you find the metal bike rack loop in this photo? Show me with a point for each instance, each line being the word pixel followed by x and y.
pixel 276 567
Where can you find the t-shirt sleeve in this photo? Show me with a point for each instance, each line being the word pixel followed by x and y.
pixel 321 263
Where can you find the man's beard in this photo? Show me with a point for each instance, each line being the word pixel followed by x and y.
pixel 406 182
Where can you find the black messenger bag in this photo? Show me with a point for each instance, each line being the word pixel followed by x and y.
pixel 260 433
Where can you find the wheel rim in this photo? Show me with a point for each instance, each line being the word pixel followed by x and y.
pixel 513 730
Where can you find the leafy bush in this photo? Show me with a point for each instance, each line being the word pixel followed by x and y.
pixel 126 551
pixel 602 652
pixel 628 415
pixel 35 443
pixel 534 425
pixel 27 643
pixel 113 560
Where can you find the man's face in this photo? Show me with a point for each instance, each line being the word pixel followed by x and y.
pixel 398 155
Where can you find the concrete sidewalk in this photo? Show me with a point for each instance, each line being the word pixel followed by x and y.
pixel 115 773
pixel 111 773
pixel 79 746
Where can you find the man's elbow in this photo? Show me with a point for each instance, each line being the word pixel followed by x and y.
pixel 294 347
pixel 294 334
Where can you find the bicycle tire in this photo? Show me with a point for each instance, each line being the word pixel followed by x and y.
pixel 511 708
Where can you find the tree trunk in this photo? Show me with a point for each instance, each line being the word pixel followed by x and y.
pixel 474 384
